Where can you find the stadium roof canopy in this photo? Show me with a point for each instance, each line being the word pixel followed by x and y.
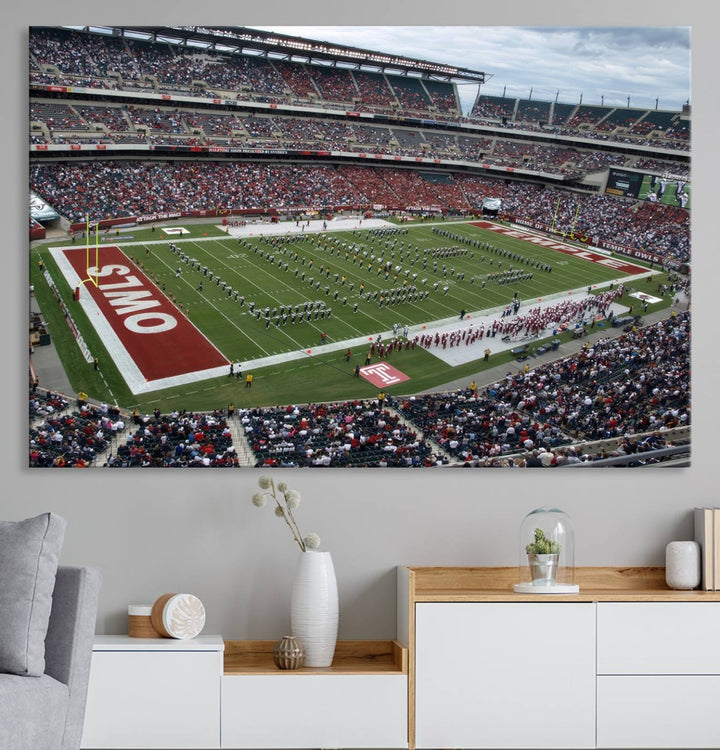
pixel 241 40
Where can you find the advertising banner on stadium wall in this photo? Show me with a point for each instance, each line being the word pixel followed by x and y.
pixel 161 216
pixel 68 318
pixel 540 227
pixel 639 254
pixel 578 252
pixel 601 244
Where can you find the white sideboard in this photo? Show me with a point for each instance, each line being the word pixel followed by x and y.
pixel 154 693
pixel 626 663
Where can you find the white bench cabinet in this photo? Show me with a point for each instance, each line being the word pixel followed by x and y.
pixel 154 693
pixel 314 711
pixel 360 701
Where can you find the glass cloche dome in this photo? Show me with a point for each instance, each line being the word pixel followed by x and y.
pixel 546 553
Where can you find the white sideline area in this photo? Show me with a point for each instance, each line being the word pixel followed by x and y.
pixel 337 224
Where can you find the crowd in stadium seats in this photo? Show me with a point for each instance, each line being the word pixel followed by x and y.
pixel 493 107
pixel 335 85
pixel 636 383
pixel 657 228
pixel 113 118
pixel 351 434
pixel 106 189
pixel 654 165
pixel 619 124
pixel 616 388
pixel 109 62
pixel 152 125
pixel 76 439
pixel 56 116
pixel 180 439
pixel 668 141
pixel 297 78
pixel 112 189
pixel 79 59
pixel 44 403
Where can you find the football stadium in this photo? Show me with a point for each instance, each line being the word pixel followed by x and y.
pixel 251 249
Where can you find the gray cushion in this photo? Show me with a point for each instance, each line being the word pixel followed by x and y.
pixel 32 712
pixel 29 553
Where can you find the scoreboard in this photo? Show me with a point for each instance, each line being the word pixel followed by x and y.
pixel 672 190
pixel 623 182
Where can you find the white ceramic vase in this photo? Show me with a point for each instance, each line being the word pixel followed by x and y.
pixel 682 565
pixel 314 607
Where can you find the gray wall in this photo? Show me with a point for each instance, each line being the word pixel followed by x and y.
pixel 153 532
pixel 161 531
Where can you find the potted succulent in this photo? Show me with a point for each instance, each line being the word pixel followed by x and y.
pixel 543 555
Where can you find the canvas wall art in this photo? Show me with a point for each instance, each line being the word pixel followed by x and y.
pixel 418 247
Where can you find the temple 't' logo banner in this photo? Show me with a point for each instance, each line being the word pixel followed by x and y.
pixel 382 374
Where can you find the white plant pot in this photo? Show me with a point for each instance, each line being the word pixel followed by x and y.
pixel 314 607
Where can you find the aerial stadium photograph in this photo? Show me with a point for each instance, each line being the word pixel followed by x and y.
pixel 358 247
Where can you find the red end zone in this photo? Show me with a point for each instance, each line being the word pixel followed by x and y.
pixel 578 252
pixel 159 339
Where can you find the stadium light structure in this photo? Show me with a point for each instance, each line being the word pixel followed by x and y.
pixel 242 40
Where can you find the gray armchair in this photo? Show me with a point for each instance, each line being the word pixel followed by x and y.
pixel 47 712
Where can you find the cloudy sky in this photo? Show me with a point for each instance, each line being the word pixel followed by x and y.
pixel 601 64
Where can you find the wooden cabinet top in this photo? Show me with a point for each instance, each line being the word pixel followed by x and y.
pixel 631 584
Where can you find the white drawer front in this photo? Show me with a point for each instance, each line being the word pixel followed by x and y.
pixel 310 711
pixel 658 638
pixel 497 675
pixel 669 711
pixel 141 699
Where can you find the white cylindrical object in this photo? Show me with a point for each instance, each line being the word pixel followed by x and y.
pixel 682 565
pixel 314 607
pixel 139 610
pixel 140 621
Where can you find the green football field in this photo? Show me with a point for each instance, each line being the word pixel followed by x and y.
pixel 340 270
pixel 263 297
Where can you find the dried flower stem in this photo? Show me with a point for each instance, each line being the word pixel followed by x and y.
pixel 286 500
pixel 287 516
